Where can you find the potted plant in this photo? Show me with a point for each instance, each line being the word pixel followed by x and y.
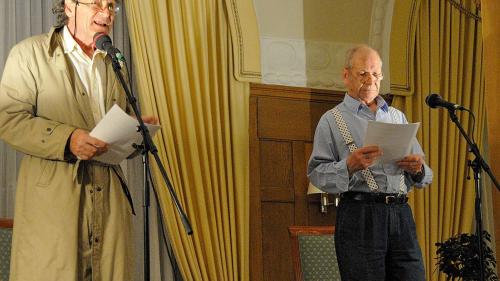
pixel 458 258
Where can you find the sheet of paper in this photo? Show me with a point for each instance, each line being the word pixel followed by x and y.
pixel 395 140
pixel 119 130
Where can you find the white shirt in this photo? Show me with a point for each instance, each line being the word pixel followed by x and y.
pixel 90 71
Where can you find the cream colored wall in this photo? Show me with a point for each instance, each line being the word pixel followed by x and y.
pixel 280 18
pixel 324 20
pixel 303 42
pixel 337 21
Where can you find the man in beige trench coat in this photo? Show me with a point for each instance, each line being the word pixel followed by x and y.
pixel 72 214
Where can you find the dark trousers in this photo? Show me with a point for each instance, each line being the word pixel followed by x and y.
pixel 377 242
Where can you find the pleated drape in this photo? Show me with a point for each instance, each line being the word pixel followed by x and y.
pixel 491 41
pixel 448 61
pixel 184 71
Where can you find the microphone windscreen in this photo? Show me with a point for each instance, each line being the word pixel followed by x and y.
pixel 432 100
pixel 102 41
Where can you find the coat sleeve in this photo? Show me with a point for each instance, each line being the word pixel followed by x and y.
pixel 19 125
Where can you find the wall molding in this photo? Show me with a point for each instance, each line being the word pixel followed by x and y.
pixel 404 25
pixel 301 63
pixel 307 63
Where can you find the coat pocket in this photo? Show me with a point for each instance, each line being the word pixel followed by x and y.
pixel 48 169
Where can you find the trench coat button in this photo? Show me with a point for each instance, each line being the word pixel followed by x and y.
pixel 83 93
pixel 49 129
pixel 96 239
pixel 99 188
pixel 43 141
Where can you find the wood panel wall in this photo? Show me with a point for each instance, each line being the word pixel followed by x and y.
pixel 282 124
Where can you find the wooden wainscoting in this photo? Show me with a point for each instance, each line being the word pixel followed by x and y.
pixel 282 124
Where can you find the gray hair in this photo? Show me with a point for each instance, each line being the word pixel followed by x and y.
pixel 59 13
pixel 352 51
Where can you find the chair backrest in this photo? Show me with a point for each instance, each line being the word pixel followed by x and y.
pixel 313 253
pixel 5 245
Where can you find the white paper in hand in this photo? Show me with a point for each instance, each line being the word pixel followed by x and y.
pixel 395 140
pixel 120 131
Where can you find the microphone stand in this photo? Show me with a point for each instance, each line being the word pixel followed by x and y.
pixel 477 165
pixel 148 147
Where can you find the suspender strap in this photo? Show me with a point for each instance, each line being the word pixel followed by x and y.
pixel 349 141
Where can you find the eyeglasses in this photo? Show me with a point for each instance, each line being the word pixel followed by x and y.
pixel 97 5
pixel 365 75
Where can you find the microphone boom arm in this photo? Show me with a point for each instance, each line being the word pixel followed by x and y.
pixel 474 149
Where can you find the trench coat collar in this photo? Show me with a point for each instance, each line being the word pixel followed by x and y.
pixel 54 42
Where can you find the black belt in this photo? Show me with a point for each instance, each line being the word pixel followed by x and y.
pixel 386 198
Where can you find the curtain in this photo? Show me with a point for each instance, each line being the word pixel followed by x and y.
pixel 186 75
pixel 448 61
pixel 491 39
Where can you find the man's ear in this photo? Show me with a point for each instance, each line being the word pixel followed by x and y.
pixel 69 8
pixel 345 74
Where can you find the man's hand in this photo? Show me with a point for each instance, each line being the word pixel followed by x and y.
pixel 85 147
pixel 362 158
pixel 150 119
pixel 412 163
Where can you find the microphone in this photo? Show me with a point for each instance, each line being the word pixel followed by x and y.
pixel 435 101
pixel 103 42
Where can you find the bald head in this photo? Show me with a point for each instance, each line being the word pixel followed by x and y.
pixel 361 49
pixel 362 73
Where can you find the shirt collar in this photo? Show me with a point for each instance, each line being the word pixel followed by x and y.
pixel 355 105
pixel 70 45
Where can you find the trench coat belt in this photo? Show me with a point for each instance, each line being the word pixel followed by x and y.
pixel 78 171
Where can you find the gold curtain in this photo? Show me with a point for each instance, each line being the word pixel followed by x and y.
pixel 448 61
pixel 491 38
pixel 491 41
pixel 183 57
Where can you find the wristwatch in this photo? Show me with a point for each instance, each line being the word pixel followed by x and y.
pixel 419 176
